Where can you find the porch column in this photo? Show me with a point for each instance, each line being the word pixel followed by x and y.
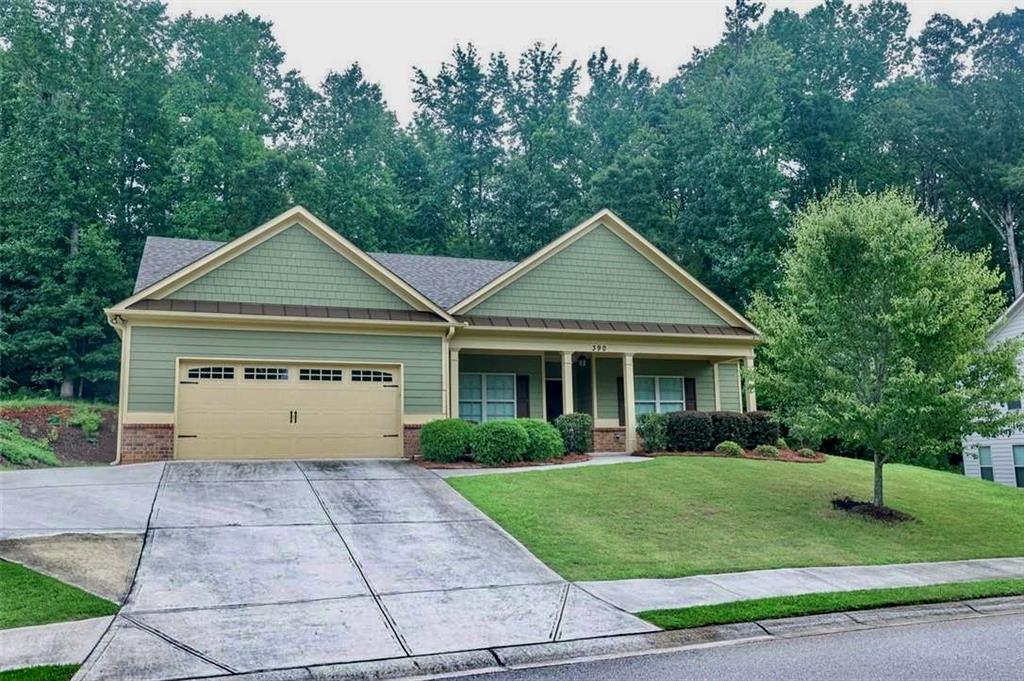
pixel 453 383
pixel 751 397
pixel 567 406
pixel 630 399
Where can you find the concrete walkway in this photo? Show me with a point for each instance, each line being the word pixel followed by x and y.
pixel 596 460
pixel 638 595
pixel 63 643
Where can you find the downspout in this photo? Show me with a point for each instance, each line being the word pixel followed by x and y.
pixel 120 326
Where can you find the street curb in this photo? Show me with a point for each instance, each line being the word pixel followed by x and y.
pixel 629 645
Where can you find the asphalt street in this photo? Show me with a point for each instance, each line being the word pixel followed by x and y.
pixel 989 648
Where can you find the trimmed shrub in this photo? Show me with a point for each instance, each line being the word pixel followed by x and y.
pixel 544 440
pixel 88 419
pixel 20 450
pixel 689 431
pixel 577 432
pixel 764 429
pixel 729 448
pixel 729 425
pixel 781 443
pixel 446 440
pixel 653 428
pixel 806 453
pixel 766 450
pixel 495 443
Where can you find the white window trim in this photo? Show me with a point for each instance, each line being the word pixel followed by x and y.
pixel 657 392
pixel 483 393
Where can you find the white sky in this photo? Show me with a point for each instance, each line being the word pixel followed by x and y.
pixel 389 37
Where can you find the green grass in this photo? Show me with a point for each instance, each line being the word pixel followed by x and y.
pixel 54 672
pixel 815 604
pixel 30 598
pixel 30 402
pixel 677 516
pixel 19 450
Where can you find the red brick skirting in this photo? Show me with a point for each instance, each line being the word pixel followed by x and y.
pixel 610 439
pixel 412 441
pixel 142 442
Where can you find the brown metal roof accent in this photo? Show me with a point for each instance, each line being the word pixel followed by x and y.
pixel 601 325
pixel 305 311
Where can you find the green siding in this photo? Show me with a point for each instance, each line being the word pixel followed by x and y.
pixel 609 369
pixel 509 364
pixel 599 276
pixel 729 387
pixel 292 268
pixel 155 349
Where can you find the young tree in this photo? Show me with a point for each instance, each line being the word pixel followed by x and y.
pixel 877 334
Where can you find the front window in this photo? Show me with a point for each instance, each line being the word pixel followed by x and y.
pixel 1018 464
pixel 485 397
pixel 985 460
pixel 660 394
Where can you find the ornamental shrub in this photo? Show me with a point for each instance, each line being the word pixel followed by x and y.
pixel 446 440
pixel 495 443
pixel 781 443
pixel 577 432
pixel 89 419
pixel 729 425
pixel 764 429
pixel 766 450
pixel 544 440
pixel 20 450
pixel 689 431
pixel 653 428
pixel 729 448
pixel 806 453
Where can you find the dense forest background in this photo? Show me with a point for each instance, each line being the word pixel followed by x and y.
pixel 117 122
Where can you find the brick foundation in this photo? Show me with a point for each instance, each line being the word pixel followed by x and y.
pixel 412 441
pixel 142 442
pixel 610 439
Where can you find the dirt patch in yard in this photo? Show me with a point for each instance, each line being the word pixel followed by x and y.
pixel 103 564
pixel 869 510
pixel 437 465
pixel 53 424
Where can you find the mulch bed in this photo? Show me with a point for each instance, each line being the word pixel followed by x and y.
pixel 784 455
pixel 436 465
pixel 869 510
pixel 67 442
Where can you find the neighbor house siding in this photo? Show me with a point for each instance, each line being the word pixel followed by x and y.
pixel 729 389
pixel 154 351
pixel 528 365
pixel 292 268
pixel 598 277
pixel 1003 470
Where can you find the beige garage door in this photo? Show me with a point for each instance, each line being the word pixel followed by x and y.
pixel 239 410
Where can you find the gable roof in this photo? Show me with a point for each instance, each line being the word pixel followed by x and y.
pixel 443 280
pixel 613 223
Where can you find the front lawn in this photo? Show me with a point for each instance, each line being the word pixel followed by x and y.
pixel 678 516
pixel 30 598
pixel 815 604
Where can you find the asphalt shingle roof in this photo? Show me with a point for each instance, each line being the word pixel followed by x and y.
pixel 443 280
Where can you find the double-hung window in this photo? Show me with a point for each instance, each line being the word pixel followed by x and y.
pixel 985 461
pixel 1018 464
pixel 486 397
pixel 660 394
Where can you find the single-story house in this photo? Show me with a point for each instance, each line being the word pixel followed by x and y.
pixel 291 342
pixel 1000 459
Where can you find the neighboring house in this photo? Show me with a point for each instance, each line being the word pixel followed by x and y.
pixel 1000 459
pixel 291 342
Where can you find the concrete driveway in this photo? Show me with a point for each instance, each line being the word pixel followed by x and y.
pixel 262 566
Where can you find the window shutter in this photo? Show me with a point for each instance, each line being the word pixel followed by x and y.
pixel 522 396
pixel 690 393
pixel 620 396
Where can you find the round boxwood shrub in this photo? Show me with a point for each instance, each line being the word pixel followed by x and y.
pixel 729 425
pixel 544 440
pixel 445 440
pixel 689 431
pixel 764 429
pixel 577 432
pixel 806 453
pixel 729 448
pixel 781 443
pixel 653 428
pixel 495 443
pixel 766 450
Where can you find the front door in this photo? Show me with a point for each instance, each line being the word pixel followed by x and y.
pixel 553 398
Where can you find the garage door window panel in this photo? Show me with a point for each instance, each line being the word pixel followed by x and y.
pixel 317 374
pixel 371 376
pixel 213 373
pixel 265 374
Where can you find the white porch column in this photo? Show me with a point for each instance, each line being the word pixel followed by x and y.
pixel 751 397
pixel 567 406
pixel 630 399
pixel 718 392
pixel 453 383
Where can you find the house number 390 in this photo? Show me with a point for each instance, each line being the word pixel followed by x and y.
pixel 598 348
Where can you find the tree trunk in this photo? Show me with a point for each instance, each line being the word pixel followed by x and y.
pixel 67 389
pixel 1009 228
pixel 878 499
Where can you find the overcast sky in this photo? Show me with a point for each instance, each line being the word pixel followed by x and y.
pixel 389 37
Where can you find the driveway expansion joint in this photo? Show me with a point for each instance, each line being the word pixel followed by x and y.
pixel 178 644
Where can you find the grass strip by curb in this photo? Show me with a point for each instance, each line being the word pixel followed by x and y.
pixel 53 672
pixel 30 598
pixel 816 604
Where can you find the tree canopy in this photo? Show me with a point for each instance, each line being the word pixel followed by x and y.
pixel 118 122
